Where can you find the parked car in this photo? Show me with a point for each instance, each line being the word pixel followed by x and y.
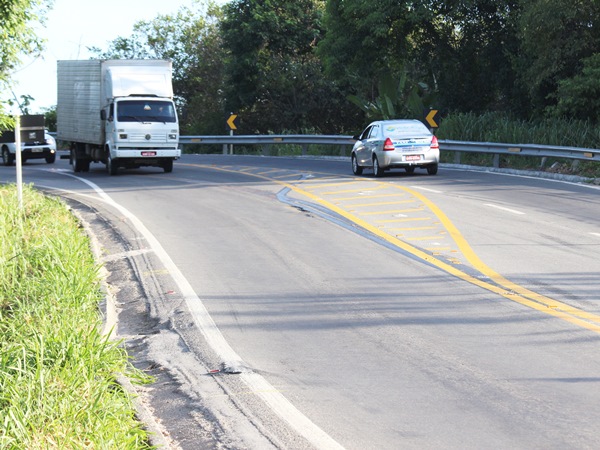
pixel 392 144
pixel 45 149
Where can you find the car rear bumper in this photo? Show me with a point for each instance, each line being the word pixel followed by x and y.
pixel 398 159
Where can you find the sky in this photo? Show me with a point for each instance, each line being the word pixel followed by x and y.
pixel 71 27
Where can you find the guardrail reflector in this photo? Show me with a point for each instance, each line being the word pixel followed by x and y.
pixel 588 155
pixel 514 149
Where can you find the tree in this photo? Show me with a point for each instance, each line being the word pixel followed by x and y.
pixel 274 79
pixel 191 40
pixel 579 97
pixel 364 40
pixel 17 37
pixel 556 36
pixel 465 47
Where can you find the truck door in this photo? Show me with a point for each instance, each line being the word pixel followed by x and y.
pixel 109 125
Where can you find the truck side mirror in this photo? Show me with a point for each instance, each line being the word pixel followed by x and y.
pixel 102 114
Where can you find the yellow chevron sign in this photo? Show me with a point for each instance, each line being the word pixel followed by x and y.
pixel 431 118
pixel 231 122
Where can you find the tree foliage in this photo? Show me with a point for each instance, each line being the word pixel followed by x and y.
pixel 579 96
pixel 17 37
pixel 274 79
pixel 555 37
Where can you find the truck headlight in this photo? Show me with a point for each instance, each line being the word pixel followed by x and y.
pixel 172 135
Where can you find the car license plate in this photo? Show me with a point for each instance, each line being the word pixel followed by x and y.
pixel 36 150
pixel 413 157
pixel 148 153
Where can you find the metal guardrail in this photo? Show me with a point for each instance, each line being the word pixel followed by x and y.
pixel 542 151
pixel 458 147
pixel 299 139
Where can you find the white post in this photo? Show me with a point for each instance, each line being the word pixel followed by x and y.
pixel 231 145
pixel 18 160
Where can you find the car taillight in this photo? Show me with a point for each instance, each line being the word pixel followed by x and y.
pixel 434 144
pixel 388 145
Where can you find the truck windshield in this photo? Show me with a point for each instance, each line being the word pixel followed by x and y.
pixel 145 111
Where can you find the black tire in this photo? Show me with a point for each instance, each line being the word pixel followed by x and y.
pixel 111 167
pixel 168 166
pixel 432 169
pixel 356 169
pixel 76 161
pixel 79 160
pixel 377 170
pixel 410 169
pixel 51 159
pixel 7 158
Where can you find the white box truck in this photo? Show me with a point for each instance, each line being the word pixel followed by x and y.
pixel 117 112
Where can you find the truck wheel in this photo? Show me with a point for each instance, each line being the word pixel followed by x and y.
pixel 111 167
pixel 80 164
pixel 168 166
pixel 7 158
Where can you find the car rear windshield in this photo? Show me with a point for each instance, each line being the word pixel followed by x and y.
pixel 406 130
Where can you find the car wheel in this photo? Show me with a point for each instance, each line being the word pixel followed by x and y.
pixel 7 158
pixel 433 169
pixel 410 169
pixel 377 170
pixel 356 169
pixel 51 159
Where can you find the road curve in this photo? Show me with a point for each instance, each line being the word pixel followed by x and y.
pixel 284 303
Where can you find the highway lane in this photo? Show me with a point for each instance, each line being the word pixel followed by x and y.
pixel 378 347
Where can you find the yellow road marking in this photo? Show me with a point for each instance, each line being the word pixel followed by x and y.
pixel 503 287
pixel 399 202
pixel 413 228
pixel 405 219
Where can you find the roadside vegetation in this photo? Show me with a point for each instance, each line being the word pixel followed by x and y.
pixel 500 128
pixel 58 372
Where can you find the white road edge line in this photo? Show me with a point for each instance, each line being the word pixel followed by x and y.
pixel 504 209
pixel 257 383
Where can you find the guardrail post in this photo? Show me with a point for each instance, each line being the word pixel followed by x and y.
pixel 266 150
pixel 304 149
pixel 496 160
pixel 457 157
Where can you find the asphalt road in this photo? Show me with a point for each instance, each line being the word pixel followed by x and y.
pixel 283 303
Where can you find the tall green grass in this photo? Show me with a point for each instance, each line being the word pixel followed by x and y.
pixel 500 128
pixel 58 372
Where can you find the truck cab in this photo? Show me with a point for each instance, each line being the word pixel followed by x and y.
pixel 140 131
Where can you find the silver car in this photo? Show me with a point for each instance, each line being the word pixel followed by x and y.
pixel 390 144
